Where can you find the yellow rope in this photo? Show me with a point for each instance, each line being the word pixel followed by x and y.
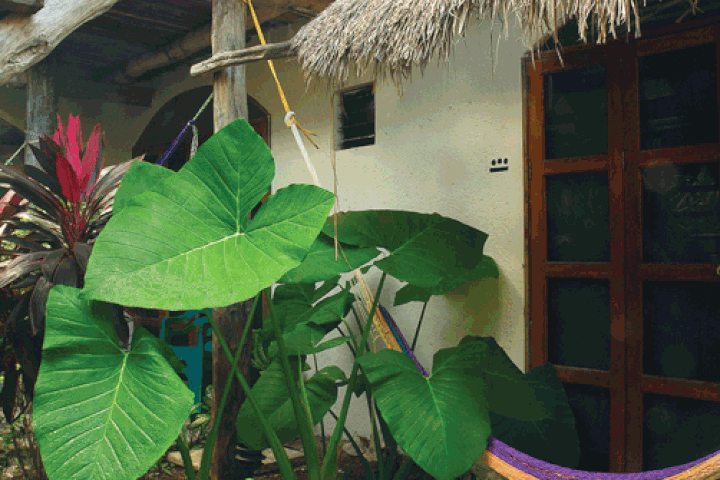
pixel 367 296
pixel 274 74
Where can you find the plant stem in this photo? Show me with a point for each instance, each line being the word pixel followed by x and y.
pixel 300 406
pixel 286 469
pixel 376 437
pixel 185 454
pixel 322 421
pixel 369 475
pixel 417 330
pixel 330 462
pixel 210 445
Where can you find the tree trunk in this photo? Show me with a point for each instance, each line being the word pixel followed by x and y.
pixel 230 103
pixel 41 105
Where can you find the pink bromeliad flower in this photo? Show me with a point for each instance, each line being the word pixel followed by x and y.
pixel 75 162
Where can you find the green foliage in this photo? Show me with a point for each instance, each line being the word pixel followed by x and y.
pixel 274 398
pixel 184 241
pixel 432 253
pixel 104 413
pixel 441 421
pixel 187 243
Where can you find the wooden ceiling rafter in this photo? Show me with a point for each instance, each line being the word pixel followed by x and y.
pixel 199 39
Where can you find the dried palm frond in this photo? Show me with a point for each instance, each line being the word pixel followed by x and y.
pixel 384 38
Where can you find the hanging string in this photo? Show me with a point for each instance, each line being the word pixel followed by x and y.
pixel 17 152
pixel 290 120
pixel 189 124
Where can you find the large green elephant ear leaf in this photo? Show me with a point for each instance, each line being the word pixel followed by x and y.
pixel 552 438
pixel 187 243
pixel 442 421
pixel 320 263
pixel 100 412
pixel 273 397
pixel 530 412
pixel 141 177
pixel 432 253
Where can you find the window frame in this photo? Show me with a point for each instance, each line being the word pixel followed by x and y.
pixel 340 139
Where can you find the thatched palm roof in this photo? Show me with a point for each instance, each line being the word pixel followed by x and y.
pixel 391 37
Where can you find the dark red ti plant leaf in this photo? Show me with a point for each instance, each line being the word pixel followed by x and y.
pixel 64 205
pixel 9 388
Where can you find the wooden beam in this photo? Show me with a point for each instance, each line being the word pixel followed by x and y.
pixel 229 103
pixel 200 39
pixel 24 41
pixel 178 50
pixel 41 105
pixel 22 7
pixel 239 57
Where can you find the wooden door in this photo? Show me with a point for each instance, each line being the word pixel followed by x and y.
pixel 623 147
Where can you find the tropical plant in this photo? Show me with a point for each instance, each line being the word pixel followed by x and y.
pixel 48 235
pixel 185 241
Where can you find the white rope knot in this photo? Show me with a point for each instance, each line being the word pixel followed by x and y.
pixel 288 117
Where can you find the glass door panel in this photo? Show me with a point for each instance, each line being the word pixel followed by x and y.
pixel 576 113
pixel 579 322
pixel 681 330
pixel 681 213
pixel 678 97
pixel 591 407
pixel 678 430
pixel 578 217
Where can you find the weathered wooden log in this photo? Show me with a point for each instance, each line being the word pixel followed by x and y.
pixel 26 40
pixel 41 106
pixel 179 50
pixel 239 57
pixel 229 103
pixel 23 7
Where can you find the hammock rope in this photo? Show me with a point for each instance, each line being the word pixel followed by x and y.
pixel 188 125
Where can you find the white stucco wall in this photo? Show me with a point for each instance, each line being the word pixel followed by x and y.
pixel 434 144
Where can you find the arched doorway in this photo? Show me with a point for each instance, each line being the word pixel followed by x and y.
pixel 167 123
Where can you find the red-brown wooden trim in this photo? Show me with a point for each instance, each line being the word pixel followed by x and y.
pixel 572 60
pixel 678 271
pixel 675 41
pixel 583 376
pixel 525 70
pixel 538 231
pixel 679 155
pixel 575 165
pixel 625 40
pixel 680 387
pixel 577 270
pixel 616 194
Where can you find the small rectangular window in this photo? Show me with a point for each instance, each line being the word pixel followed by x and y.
pixel 356 118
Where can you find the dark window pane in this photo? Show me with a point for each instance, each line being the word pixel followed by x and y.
pixel 678 97
pixel 591 407
pixel 579 322
pixel 576 113
pixel 681 323
pixel 357 116
pixel 678 430
pixel 681 213
pixel 578 221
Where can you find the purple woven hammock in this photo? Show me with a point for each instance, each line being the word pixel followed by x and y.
pixel 507 461
pixel 549 471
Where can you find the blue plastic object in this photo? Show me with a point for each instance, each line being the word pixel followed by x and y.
pixel 192 355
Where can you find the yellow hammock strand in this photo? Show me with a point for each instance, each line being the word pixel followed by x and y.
pixel 365 294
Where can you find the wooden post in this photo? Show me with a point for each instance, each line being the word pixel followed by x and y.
pixel 230 103
pixel 41 105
